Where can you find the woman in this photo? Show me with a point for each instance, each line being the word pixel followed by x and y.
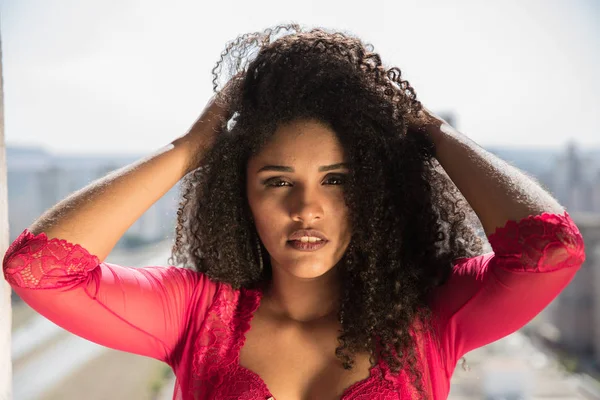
pixel 329 244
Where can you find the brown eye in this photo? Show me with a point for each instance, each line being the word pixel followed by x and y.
pixel 335 180
pixel 276 182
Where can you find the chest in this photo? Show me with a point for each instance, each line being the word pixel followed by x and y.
pixel 298 362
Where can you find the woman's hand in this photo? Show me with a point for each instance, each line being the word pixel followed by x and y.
pixel 424 120
pixel 203 132
pixel 428 123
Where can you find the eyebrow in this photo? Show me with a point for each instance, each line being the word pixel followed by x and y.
pixel 283 168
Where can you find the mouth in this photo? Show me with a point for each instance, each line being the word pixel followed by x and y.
pixel 307 240
pixel 307 245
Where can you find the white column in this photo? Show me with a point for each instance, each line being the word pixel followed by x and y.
pixel 5 308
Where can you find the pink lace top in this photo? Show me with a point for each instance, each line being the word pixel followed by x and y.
pixel 197 326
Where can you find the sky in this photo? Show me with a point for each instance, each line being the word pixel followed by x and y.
pixel 129 76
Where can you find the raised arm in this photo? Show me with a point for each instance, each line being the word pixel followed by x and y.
pixel 96 216
pixel 497 191
pixel 56 265
pixel 492 295
pixel 537 247
pixel 139 310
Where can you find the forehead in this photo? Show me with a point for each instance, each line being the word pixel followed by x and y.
pixel 303 141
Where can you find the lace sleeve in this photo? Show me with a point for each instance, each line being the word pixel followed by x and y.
pixel 493 295
pixel 540 243
pixel 34 262
pixel 139 310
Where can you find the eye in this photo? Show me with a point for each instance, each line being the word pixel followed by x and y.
pixel 338 179
pixel 276 182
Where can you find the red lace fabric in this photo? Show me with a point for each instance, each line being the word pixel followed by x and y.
pixel 198 326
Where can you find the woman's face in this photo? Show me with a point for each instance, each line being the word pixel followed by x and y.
pixel 296 183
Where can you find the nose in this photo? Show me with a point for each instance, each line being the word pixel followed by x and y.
pixel 306 205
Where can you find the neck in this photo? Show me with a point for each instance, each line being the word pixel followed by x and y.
pixel 301 299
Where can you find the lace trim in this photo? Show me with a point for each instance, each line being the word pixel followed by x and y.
pixel 34 262
pixel 542 243
pixel 378 373
pixel 248 306
pixel 250 301
pixel 216 361
pixel 214 340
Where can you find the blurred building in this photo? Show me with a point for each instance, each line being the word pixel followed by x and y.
pixel 595 193
pixel 53 183
pixel 575 180
pixel 37 180
pixel 572 321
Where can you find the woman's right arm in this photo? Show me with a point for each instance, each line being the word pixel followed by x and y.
pixel 96 216
pixel 56 265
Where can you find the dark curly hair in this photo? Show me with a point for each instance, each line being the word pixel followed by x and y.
pixel 409 222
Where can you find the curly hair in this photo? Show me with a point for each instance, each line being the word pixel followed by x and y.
pixel 409 221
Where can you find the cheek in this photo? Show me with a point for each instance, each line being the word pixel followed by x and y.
pixel 339 210
pixel 266 216
pixel 342 218
pixel 345 225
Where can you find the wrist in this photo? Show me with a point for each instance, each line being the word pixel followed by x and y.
pixel 191 149
pixel 439 132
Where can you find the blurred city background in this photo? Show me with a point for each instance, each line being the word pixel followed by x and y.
pixel 93 86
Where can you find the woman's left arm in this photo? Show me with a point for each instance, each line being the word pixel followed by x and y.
pixel 537 247
pixel 497 191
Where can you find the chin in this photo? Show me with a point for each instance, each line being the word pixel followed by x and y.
pixel 306 269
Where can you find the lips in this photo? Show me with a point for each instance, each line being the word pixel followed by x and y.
pixel 297 235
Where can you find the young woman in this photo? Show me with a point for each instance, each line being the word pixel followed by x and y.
pixel 324 223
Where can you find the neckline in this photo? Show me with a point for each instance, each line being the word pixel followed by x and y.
pixel 249 301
